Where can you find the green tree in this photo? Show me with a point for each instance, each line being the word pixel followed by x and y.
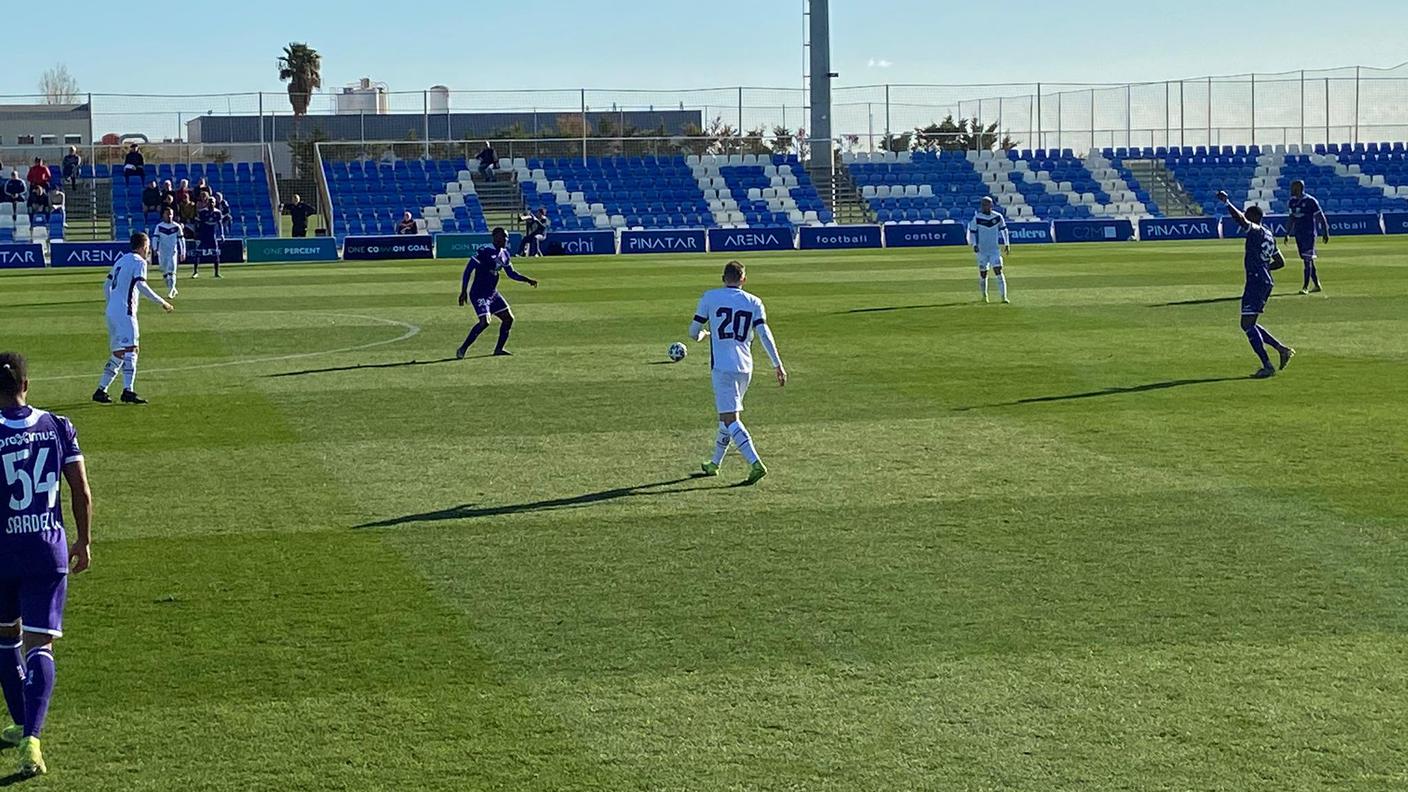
pixel 301 67
pixel 964 134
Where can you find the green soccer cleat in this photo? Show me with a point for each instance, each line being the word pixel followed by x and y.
pixel 12 734
pixel 31 758
pixel 756 473
pixel 709 469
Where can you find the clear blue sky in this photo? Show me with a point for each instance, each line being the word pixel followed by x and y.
pixel 670 44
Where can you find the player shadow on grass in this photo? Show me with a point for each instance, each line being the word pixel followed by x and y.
pixel 14 778
pixel 361 366
pixel 1149 386
pixel 1207 301
pixel 888 308
pixel 469 511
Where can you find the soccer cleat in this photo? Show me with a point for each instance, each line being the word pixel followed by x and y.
pixel 31 758
pixel 172 294
pixel 502 353
pixel 101 396
pixel 459 353
pixel 1286 355
pixel 1305 291
pixel 1266 373
pixel 985 298
pixel 756 473
pixel 12 734
pixel 710 469
pixel 131 397
pixel 217 276
pixel 1316 289
pixel 1006 301
pixel 195 274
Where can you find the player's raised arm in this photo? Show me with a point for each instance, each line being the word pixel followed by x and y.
pixel 1232 209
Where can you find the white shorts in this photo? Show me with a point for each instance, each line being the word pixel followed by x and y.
pixel 122 332
pixel 729 388
pixel 987 260
pixel 167 267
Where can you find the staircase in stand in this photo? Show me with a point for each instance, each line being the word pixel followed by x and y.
pixel 89 211
pixel 841 195
pixel 502 201
pixel 1164 188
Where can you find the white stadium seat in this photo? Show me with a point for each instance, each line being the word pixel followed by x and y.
pixel 927 190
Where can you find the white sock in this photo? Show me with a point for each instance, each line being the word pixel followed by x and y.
pixel 1002 285
pixel 721 444
pixel 129 370
pixel 983 284
pixel 110 370
pixel 744 441
pixel 170 281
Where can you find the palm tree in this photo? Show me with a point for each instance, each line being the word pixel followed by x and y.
pixel 300 66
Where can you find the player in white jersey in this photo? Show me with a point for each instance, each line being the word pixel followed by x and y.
pixel 987 233
pixel 732 317
pixel 169 239
pixel 126 280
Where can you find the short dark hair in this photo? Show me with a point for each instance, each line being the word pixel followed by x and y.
pixel 499 230
pixel 1298 183
pixel 13 372
pixel 733 271
pixel 1254 214
pixel 139 241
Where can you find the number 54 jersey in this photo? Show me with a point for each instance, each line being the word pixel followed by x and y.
pixel 34 447
pixel 733 317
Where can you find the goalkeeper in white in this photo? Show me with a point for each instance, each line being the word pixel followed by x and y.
pixel 169 239
pixel 732 317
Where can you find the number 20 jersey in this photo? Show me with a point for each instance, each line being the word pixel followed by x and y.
pixel 34 447
pixel 732 316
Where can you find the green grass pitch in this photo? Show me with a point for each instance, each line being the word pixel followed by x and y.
pixel 1058 545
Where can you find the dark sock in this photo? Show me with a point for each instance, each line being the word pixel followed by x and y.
pixel 1270 340
pixel 1254 336
pixel 1314 275
pixel 1309 273
pixel 503 335
pixel 473 334
pixel 38 686
pixel 12 678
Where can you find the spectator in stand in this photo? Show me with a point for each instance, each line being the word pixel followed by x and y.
pixel 203 190
pixel 407 225
pixel 14 193
pixel 167 191
pixel 184 191
pixel 134 165
pixel 72 165
pixel 186 211
pixel 39 173
pixel 38 200
pixel 225 216
pixel 488 161
pixel 57 199
pixel 151 200
pixel 535 232
pixel 300 212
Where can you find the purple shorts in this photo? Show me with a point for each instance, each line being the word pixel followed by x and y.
pixel 36 601
pixel 493 304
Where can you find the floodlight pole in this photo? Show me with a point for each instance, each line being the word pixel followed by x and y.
pixel 819 33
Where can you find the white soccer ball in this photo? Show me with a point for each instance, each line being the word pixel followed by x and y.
pixel 678 351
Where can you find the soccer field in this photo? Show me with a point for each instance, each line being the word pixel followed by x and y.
pixel 1061 544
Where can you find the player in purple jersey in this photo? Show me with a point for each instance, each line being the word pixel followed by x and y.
pixel 485 267
pixel 210 230
pixel 1306 217
pixel 1259 259
pixel 36 447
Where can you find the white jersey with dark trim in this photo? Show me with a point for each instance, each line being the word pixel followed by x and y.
pixel 126 273
pixel 733 317
pixel 987 230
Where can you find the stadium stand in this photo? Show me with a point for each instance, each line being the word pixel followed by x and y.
pixel 244 184
pixel 1352 179
pixel 369 197
pixel 741 190
pixel 21 226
